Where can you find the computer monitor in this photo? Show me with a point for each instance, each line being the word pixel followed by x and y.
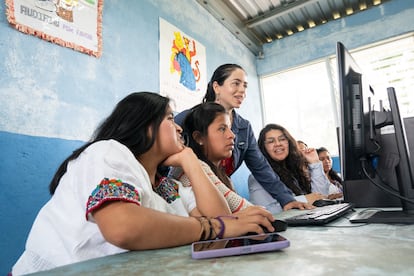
pixel 375 165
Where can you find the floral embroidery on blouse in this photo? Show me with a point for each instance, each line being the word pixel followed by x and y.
pixel 111 190
pixel 167 189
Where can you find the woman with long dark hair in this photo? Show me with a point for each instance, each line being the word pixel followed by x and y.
pixel 334 177
pixel 227 87
pixel 208 129
pixel 301 171
pixel 108 198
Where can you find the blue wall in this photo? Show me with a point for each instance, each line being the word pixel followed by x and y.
pixel 24 182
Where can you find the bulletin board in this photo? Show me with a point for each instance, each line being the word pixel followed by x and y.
pixel 75 24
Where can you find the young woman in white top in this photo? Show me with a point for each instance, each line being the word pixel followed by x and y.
pixel 108 198
pixel 336 189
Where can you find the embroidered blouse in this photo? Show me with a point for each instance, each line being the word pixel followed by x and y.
pixel 105 171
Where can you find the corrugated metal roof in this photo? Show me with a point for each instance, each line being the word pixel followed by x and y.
pixel 256 22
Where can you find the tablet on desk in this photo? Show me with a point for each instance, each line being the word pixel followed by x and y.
pixel 238 246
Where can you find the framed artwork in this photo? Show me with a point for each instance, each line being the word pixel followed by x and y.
pixel 182 67
pixel 75 24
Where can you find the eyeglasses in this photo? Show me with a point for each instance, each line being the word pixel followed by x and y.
pixel 272 140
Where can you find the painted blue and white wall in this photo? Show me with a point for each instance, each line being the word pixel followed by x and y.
pixel 52 97
pixel 373 25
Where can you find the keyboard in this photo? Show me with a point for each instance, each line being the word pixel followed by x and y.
pixel 319 215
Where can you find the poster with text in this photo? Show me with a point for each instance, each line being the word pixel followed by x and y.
pixel 75 24
pixel 182 67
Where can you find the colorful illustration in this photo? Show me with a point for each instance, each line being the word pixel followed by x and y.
pixel 181 56
pixel 182 67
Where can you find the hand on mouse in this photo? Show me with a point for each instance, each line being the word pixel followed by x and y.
pixel 253 219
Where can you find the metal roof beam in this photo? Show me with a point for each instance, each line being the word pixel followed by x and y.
pixel 277 12
pixel 226 16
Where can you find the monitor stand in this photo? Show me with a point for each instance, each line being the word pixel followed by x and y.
pixel 380 216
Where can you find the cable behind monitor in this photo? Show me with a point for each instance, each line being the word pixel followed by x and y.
pixel 383 187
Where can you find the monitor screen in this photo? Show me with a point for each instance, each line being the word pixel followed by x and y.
pixel 375 164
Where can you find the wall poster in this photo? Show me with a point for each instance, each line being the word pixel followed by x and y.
pixel 75 24
pixel 182 67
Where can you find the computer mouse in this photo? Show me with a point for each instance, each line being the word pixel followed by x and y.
pixel 323 202
pixel 279 225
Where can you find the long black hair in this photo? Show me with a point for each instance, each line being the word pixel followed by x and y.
pixel 220 75
pixel 128 124
pixel 332 173
pixel 199 119
pixel 293 170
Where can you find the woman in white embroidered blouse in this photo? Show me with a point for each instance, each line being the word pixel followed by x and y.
pixel 108 198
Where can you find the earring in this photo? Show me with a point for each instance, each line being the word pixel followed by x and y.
pixel 201 143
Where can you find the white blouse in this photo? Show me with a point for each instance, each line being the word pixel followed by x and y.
pixel 64 231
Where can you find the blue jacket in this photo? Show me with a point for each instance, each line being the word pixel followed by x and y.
pixel 247 150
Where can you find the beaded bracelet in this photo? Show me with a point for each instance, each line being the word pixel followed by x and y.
pixel 211 230
pixel 203 233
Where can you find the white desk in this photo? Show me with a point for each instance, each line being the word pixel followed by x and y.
pixel 341 248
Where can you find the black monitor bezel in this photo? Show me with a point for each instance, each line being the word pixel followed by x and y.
pixel 356 164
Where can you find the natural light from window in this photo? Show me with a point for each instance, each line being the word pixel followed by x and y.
pixel 305 100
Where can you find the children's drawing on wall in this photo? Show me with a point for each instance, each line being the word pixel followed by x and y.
pixel 181 54
pixel 74 24
pixel 182 67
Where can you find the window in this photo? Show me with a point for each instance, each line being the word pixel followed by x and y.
pixel 391 64
pixel 305 100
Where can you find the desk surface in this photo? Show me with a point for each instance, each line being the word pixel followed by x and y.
pixel 339 248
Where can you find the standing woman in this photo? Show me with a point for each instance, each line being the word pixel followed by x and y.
pixel 108 198
pixel 228 87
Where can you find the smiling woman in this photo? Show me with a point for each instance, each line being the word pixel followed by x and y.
pixel 300 170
